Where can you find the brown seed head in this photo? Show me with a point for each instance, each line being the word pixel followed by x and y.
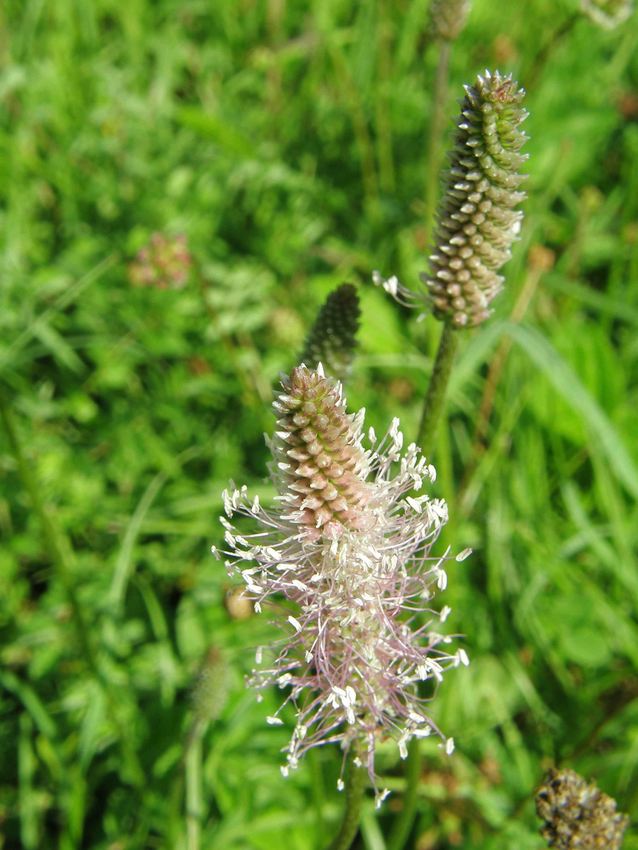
pixel 577 815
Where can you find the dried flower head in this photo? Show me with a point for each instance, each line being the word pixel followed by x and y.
pixel 477 219
pixel 163 263
pixel 447 18
pixel 333 337
pixel 608 13
pixel 348 550
pixel 577 815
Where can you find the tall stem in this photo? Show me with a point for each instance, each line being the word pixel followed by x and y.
pixel 435 397
pixel 193 771
pixel 356 781
pixel 403 824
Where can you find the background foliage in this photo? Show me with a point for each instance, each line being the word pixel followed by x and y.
pixel 287 141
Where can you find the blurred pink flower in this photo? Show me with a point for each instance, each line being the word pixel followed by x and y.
pixel 164 262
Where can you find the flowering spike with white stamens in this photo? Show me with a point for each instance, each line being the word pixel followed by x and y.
pixel 348 546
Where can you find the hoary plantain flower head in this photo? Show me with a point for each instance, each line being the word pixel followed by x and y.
pixel 345 554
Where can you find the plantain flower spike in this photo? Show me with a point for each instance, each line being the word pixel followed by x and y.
pixel 332 340
pixel 345 555
pixel 477 218
pixel 577 815
pixel 608 13
pixel 447 18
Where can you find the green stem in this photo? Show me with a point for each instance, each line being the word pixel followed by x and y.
pixel 356 781
pixel 403 824
pixel 435 397
pixel 193 771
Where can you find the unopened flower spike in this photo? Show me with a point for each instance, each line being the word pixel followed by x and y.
pixel 477 219
pixel 447 18
pixel 333 337
pixel 608 14
pixel 348 546
pixel 576 815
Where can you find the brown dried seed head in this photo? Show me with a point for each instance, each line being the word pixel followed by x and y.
pixel 577 815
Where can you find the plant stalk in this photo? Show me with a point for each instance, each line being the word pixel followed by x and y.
pixel 435 398
pixel 403 824
pixel 193 771
pixel 356 782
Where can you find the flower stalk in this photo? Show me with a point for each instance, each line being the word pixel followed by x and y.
pixel 434 402
pixel 356 781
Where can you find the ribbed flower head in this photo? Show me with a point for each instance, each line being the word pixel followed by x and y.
pixel 608 13
pixel 477 219
pixel 333 337
pixel 447 18
pixel 577 815
pixel 347 546
pixel 320 467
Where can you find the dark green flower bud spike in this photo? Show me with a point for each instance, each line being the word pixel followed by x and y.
pixel 447 18
pixel 332 340
pixel 477 220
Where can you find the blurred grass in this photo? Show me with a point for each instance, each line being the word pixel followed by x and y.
pixel 287 142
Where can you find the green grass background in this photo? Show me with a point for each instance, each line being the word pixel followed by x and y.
pixel 288 141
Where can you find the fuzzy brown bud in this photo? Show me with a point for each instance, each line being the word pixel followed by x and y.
pixel 577 815
pixel 477 220
pixel 447 18
pixel 319 462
